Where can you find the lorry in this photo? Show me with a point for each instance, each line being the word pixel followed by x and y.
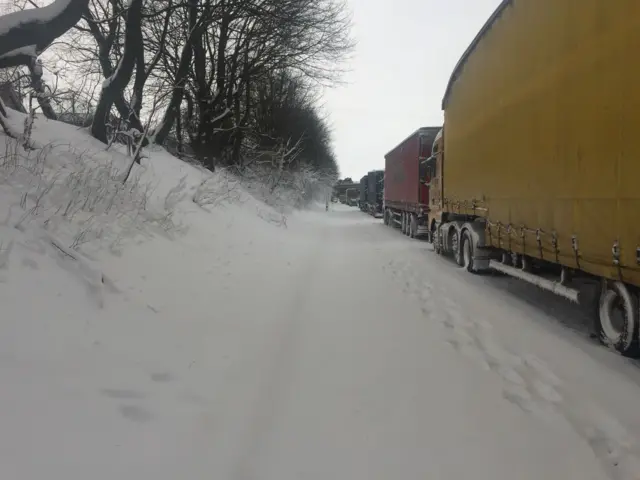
pixel 363 193
pixel 535 173
pixel 375 188
pixel 406 195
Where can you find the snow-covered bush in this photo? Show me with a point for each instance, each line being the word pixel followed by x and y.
pixel 80 198
pixel 218 188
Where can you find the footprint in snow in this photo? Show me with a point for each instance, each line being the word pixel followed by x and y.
pixel 546 391
pixel 519 396
pixel 122 393
pixel 135 413
pixel 29 263
pixel 161 377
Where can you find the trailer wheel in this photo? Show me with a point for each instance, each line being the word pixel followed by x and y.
pixel 467 252
pixel 618 319
pixel 413 226
pixel 436 240
pixel 407 225
pixel 386 217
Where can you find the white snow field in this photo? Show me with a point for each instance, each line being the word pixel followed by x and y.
pixel 175 341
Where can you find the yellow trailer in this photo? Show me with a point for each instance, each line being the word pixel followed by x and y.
pixel 540 157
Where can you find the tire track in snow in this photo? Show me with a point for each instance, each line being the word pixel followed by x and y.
pixel 527 381
pixel 278 370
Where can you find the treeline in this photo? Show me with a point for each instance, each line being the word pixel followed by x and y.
pixel 229 81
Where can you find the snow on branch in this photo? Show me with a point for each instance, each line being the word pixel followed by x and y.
pixel 38 26
pixel 18 57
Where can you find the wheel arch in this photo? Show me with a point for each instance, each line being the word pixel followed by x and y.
pixel 477 231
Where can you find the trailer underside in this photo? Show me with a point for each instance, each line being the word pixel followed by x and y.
pixel 614 305
pixel 410 218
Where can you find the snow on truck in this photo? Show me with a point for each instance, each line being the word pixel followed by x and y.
pixel 406 195
pixel 536 171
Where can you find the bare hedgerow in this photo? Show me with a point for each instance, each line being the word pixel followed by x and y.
pixel 82 197
pixel 217 189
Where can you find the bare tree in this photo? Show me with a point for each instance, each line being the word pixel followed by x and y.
pixel 233 79
pixel 27 34
pixel 172 112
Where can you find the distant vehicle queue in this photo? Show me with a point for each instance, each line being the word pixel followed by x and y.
pixel 535 172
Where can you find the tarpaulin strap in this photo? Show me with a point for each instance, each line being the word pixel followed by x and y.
pixel 539 240
pixel 554 242
pixel 576 251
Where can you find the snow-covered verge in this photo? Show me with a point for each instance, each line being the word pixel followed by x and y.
pixel 112 290
pixel 74 188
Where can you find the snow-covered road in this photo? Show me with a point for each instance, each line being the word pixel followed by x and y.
pixel 393 363
pixel 334 349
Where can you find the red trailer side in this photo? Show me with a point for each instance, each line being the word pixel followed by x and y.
pixel 406 197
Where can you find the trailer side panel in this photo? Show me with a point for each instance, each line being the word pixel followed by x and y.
pixel 402 170
pixel 541 135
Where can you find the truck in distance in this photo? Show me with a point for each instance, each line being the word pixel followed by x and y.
pixel 371 190
pixel 364 184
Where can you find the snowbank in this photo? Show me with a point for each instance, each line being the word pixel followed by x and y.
pixel 111 291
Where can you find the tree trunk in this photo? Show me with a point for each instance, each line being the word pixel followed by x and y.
pixel 104 48
pixel 180 146
pixel 173 109
pixel 44 100
pixel 114 86
pixel 138 90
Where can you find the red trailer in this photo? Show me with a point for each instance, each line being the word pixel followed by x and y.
pixel 406 195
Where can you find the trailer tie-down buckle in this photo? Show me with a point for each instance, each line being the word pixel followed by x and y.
pixel 615 250
pixel 576 251
pixel 539 242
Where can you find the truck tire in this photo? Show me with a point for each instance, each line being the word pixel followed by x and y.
pixel 433 235
pixel 386 217
pixel 455 247
pixel 437 241
pixel 467 252
pixel 413 225
pixel 617 323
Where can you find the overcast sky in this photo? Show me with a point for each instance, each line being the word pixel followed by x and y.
pixel 405 54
